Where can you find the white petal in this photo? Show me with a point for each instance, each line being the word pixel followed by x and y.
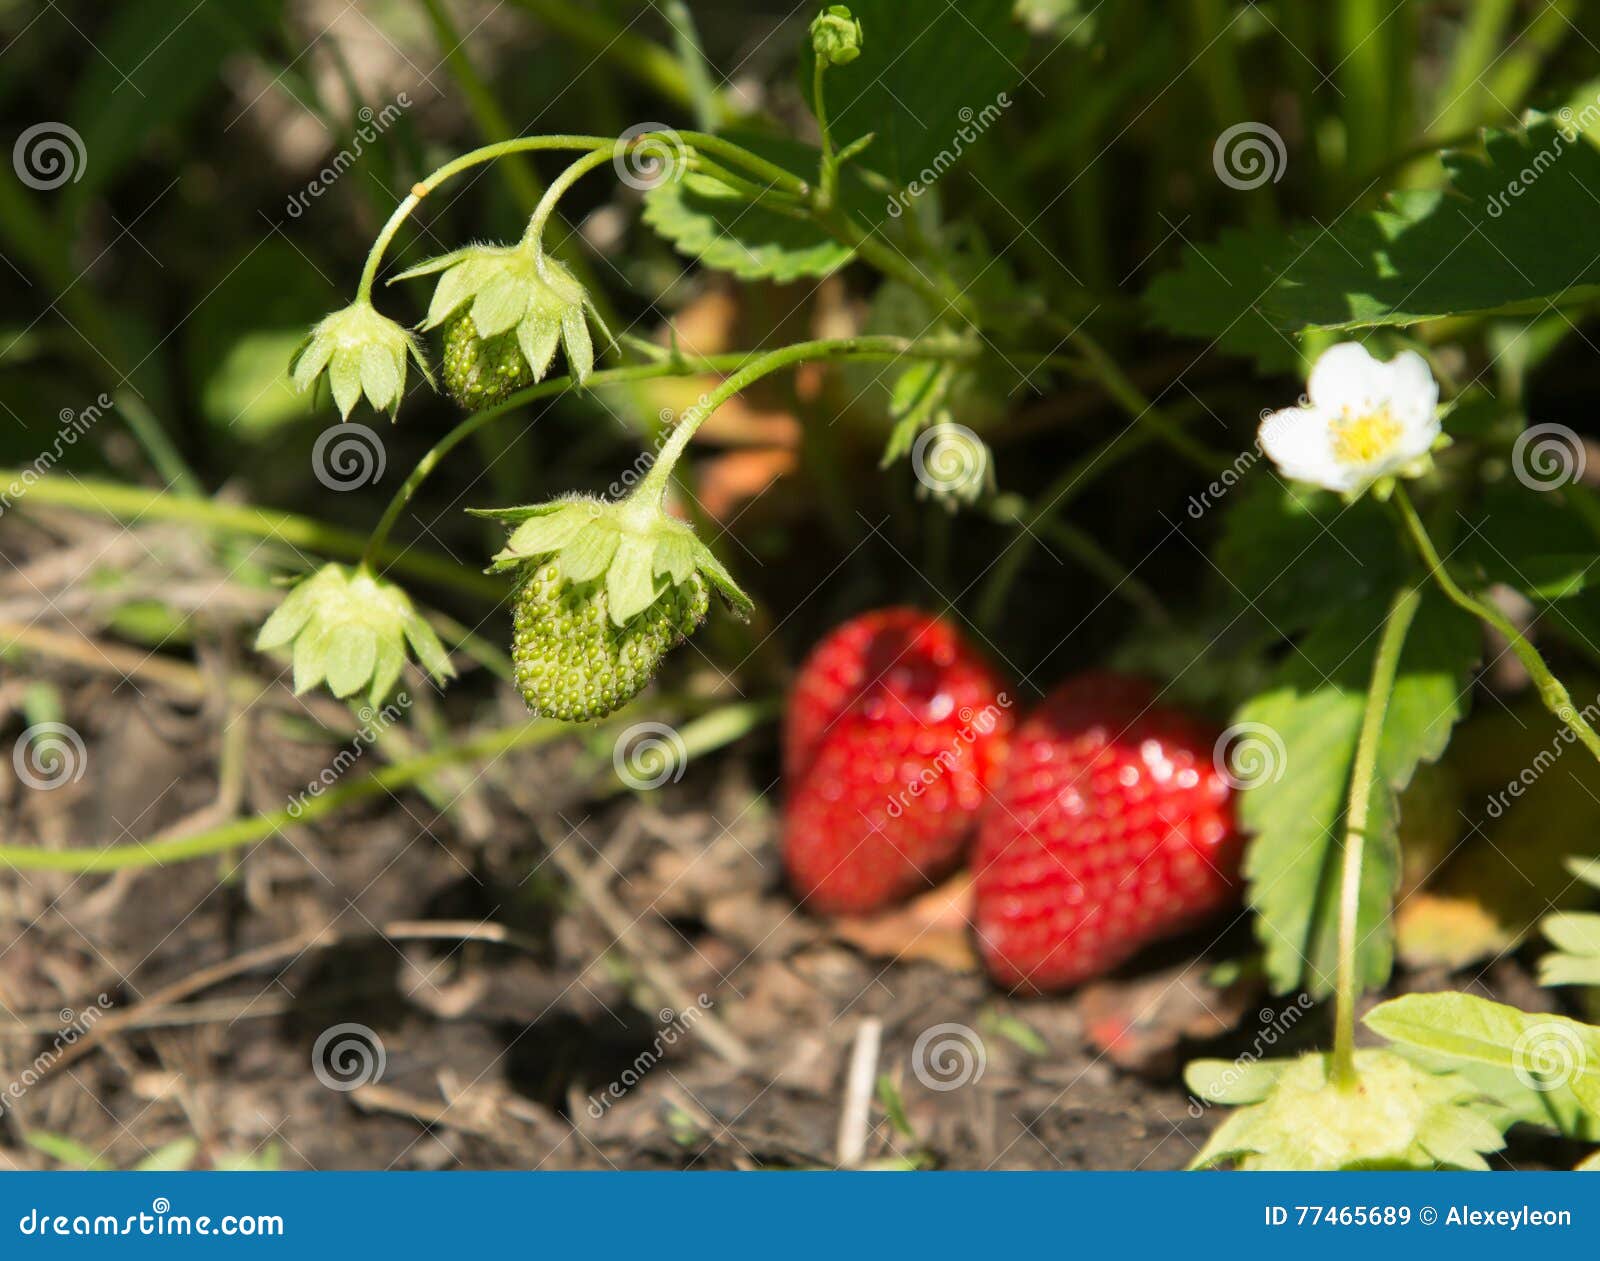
pixel 1347 378
pixel 1413 393
pixel 1298 442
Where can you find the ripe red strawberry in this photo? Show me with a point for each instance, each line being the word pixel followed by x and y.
pixel 1112 827
pixel 895 731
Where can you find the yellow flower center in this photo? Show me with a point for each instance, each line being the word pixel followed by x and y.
pixel 1365 438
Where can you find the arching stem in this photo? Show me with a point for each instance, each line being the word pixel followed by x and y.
pixel 1551 690
pixel 739 363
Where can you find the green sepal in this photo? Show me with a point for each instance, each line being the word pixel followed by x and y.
pixel 586 557
pixel 360 352
pixel 737 601
pixel 1293 1116
pixel 630 579
pixel 491 292
pixel 349 629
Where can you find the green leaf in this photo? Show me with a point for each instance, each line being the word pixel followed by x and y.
pixel 1544 1051
pixel 1400 1116
pixel 1309 719
pixel 1285 547
pixel 707 220
pixel 924 77
pixel 1576 936
pixel 1498 238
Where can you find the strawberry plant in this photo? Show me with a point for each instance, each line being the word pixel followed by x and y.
pixel 1139 441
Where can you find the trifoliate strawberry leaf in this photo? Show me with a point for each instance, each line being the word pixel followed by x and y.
pixel 721 227
pixel 1498 238
pixel 1308 720
pixel 1396 1115
pixel 1543 1051
pixel 930 81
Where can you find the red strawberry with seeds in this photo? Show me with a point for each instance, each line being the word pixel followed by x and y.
pixel 1112 827
pixel 895 732
pixel 894 649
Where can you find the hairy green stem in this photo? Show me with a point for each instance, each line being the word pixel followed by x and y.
pixel 1552 692
pixel 137 503
pixel 676 366
pixel 476 157
pixel 607 145
pixel 653 488
pixel 828 177
pixel 534 235
pixel 1358 813
pixel 701 735
pixel 159 852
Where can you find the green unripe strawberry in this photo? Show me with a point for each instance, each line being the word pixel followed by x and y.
pixel 480 371
pixel 505 310
pixel 573 662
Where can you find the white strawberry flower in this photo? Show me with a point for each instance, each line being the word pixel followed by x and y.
pixel 1362 421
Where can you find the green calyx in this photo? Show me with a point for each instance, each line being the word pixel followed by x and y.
pixel 1293 1116
pixel 350 629
pixel 505 310
pixel 608 589
pixel 361 352
pixel 836 35
pixel 635 548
